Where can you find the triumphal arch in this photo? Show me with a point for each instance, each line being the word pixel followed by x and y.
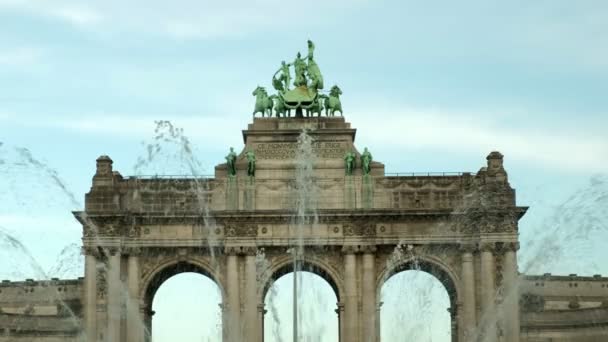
pixel 300 195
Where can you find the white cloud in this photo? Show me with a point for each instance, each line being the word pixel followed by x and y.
pixel 182 19
pixel 401 127
pixel 18 57
pixel 412 128
pixel 77 15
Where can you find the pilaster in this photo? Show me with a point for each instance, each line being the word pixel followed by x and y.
pixel 368 299
pixel 351 304
pixel 511 290
pixel 90 290
pixel 114 296
pixel 468 318
pixel 487 321
pixel 135 323
pixel 250 315
pixel 232 323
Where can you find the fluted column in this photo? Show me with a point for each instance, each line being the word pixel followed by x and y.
pixel 468 318
pixel 252 323
pixel 369 294
pixel 135 323
pixel 114 297
pixel 351 304
pixel 90 289
pixel 511 288
pixel 232 324
pixel 487 322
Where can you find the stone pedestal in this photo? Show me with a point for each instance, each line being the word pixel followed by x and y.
pixel 232 193
pixel 367 192
pixel 350 193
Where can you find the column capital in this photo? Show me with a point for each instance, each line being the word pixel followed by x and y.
pixel 232 250
pixel 467 247
pixel 241 250
pixel 114 251
pixel 249 250
pixel 133 251
pixel 368 249
pixel 487 246
pixel 350 249
pixel 90 250
pixel 511 247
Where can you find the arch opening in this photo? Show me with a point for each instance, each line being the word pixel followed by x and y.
pixel 315 308
pixel 183 303
pixel 418 302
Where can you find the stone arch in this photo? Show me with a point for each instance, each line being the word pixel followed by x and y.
pixel 314 265
pixel 429 264
pixel 173 266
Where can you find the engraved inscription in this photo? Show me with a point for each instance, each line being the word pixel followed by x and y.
pixel 281 151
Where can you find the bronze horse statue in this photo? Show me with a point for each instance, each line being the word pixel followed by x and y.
pixel 332 102
pixel 263 103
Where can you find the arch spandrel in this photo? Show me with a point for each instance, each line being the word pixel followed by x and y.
pixel 284 264
pixel 170 266
pixel 431 264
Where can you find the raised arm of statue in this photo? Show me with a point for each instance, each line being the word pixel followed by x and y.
pixel 311 49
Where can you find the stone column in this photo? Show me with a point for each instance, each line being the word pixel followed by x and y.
pixel 340 313
pixel 487 321
pixel 511 290
pixel 369 294
pixel 351 303
pixel 232 325
pixel 90 290
pixel 261 313
pixel 250 317
pixel 468 318
pixel 135 323
pixel 114 297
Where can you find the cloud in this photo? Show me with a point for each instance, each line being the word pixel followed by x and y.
pixel 200 129
pixel 415 128
pixel 77 15
pixel 402 127
pixel 184 19
pixel 19 57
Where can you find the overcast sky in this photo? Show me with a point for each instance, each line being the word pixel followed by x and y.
pixel 430 86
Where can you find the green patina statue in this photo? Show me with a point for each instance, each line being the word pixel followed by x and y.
pixel 282 82
pixel 280 109
pixel 366 161
pixel 301 69
pixel 332 102
pixel 230 162
pixel 349 162
pixel 263 103
pixel 314 73
pixel 250 163
pixel 307 80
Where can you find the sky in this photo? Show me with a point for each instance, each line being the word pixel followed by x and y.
pixel 430 86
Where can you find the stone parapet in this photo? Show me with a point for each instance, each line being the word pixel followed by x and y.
pixel 51 308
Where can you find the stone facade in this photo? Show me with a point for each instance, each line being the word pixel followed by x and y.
pixel 356 232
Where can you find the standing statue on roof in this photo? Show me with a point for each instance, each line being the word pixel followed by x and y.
pixel 366 161
pixel 316 79
pixel 230 162
pixel 281 83
pixel 300 70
